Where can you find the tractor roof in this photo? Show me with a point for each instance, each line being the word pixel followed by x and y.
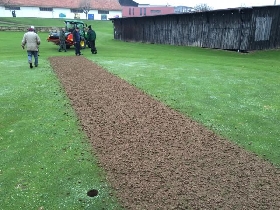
pixel 74 21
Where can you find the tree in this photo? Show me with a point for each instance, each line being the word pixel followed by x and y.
pixel 202 8
pixel 85 6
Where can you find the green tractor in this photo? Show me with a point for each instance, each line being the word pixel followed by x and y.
pixel 70 26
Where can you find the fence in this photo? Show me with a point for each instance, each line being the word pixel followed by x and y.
pixel 25 28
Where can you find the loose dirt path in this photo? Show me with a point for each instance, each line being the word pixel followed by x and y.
pixel 157 158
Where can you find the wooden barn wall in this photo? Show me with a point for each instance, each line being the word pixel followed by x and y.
pixel 243 29
pixel 266 28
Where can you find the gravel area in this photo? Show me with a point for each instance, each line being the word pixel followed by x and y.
pixel 157 158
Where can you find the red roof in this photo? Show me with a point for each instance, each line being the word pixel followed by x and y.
pixel 71 4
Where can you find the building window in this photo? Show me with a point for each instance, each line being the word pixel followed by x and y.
pixel 12 8
pixel 140 11
pixel 46 9
pixel 103 17
pixel 76 10
pixel 103 12
pixel 263 28
pixel 155 12
pixel 129 12
pixel 145 12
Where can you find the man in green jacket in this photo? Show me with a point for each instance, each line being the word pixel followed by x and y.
pixel 91 38
pixel 62 38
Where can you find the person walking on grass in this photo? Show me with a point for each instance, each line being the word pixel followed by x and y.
pixel 62 44
pixel 91 38
pixel 36 33
pixel 31 40
pixel 77 41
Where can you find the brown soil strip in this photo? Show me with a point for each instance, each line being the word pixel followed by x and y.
pixel 155 157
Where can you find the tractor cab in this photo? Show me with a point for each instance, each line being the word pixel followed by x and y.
pixel 70 26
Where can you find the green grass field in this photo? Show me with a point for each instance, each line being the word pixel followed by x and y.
pixel 46 161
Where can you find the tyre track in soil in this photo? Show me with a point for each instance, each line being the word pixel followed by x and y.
pixel 156 158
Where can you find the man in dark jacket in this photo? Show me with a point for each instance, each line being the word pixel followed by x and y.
pixel 77 41
pixel 91 38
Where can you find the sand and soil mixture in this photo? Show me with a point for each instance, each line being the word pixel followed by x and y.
pixel 155 157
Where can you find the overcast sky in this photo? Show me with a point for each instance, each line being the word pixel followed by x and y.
pixel 216 4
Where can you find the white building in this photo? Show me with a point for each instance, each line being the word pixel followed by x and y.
pixel 70 9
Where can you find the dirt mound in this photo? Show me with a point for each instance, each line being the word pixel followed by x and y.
pixel 157 158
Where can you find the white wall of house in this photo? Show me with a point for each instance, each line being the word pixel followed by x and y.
pixel 35 12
